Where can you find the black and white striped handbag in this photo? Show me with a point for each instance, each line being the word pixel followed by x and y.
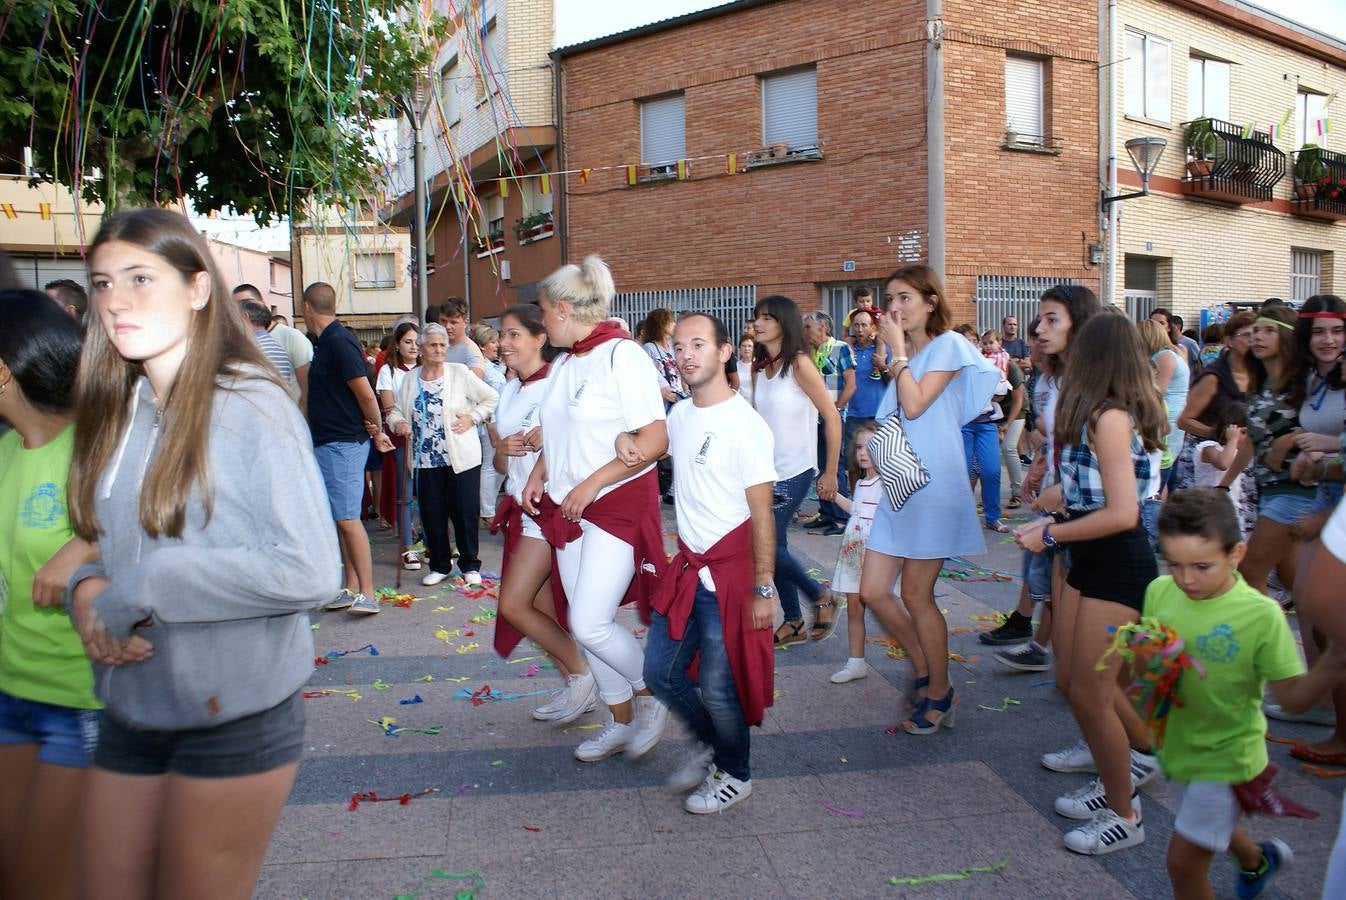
pixel 900 470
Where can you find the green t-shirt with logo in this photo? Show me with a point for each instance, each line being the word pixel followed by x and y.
pixel 1242 641
pixel 41 657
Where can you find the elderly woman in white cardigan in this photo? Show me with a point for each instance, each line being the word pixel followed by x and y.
pixel 438 407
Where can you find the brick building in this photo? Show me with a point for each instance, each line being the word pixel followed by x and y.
pixel 1236 232
pixel 489 118
pixel 823 104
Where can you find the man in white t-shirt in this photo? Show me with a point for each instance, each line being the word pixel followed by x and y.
pixel 719 597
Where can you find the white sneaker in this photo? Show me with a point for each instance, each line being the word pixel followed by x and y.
pixel 1144 767
pixel 547 712
pixel 433 578
pixel 647 727
pixel 854 670
pixel 364 606
pixel 1075 758
pixel 581 696
pixel 1105 833
pixel 608 742
pixel 717 793
pixel 473 578
pixel 694 769
pixel 1086 802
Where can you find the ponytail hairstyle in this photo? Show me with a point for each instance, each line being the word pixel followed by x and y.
pixel 1081 305
pixel 863 432
pixel 218 347
pixel 1109 368
pixel 529 315
pixel 588 288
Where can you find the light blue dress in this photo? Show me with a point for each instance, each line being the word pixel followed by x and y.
pixel 939 520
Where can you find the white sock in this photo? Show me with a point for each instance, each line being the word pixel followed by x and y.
pixel 855 662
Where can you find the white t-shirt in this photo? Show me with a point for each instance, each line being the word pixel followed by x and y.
pixel 718 453
pixel 298 347
pixel 792 417
pixel 519 410
pixel 389 379
pixel 589 400
pixel 1208 475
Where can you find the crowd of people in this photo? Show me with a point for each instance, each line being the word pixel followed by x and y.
pixel 138 687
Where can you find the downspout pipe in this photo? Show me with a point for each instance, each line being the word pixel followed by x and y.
pixel 936 218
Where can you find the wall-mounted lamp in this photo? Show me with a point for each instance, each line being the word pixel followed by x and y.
pixel 1144 153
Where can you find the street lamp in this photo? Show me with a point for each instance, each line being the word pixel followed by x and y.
pixel 1144 153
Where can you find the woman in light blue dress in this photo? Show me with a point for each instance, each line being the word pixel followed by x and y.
pixel 940 383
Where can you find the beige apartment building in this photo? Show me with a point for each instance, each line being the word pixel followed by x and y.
pixel 1252 111
pixel 42 228
pixel 365 261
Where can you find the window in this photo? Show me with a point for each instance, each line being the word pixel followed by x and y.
pixel 532 198
pixel 492 75
pixel 495 217
pixel 1310 112
pixel 790 109
pixel 375 270
pixel 1306 267
pixel 1149 65
pixel 1207 89
pixel 448 84
pixel 1023 99
pixel 280 278
pixel 661 130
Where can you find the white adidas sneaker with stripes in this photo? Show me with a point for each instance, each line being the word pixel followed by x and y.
pixel 717 793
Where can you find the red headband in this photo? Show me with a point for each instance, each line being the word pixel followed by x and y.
pixel 1323 315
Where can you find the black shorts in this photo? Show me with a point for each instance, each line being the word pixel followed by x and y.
pixel 1117 568
pixel 249 746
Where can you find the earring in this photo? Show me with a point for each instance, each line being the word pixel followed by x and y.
pixel 198 307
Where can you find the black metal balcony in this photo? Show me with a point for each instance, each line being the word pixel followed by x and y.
pixel 1320 184
pixel 1224 165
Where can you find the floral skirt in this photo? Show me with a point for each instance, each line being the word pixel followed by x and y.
pixel 846 579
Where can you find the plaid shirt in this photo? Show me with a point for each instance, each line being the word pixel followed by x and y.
pixel 833 359
pixel 1082 480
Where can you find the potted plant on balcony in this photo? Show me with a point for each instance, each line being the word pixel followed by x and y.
pixel 531 226
pixel 1202 145
pixel 1310 171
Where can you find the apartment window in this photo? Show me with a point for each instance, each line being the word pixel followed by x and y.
pixel 495 216
pixel 280 278
pixel 375 270
pixel 492 75
pixel 1306 274
pixel 662 137
pixel 790 109
pixel 1207 88
pixel 1149 72
pixel 1023 99
pixel 448 86
pixel 533 199
pixel 1310 111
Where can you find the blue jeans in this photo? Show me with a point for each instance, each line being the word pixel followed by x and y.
pixel 831 513
pixel 790 575
pixel 982 442
pixel 713 712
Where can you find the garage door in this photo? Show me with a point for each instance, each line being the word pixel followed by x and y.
pixel 35 271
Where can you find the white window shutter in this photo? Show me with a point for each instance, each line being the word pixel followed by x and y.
pixel 1158 78
pixel 662 137
pixel 790 109
pixel 1023 98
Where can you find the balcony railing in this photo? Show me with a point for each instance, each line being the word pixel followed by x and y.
pixel 1320 184
pixel 1224 165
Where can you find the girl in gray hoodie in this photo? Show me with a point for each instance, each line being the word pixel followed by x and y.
pixel 194 474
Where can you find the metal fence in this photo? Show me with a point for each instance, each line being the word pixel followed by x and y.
pixel 1139 305
pixel 999 296
pixel 732 304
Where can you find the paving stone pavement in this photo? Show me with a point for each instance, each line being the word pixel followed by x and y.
pixel 838 805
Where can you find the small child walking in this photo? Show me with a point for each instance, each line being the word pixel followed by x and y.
pixel 1214 749
pixel 1212 458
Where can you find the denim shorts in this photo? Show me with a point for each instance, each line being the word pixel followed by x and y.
pixel 1284 509
pixel 1037 574
pixel 249 746
pixel 1329 495
pixel 65 736
pixel 342 464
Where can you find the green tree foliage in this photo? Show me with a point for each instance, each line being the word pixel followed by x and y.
pixel 252 104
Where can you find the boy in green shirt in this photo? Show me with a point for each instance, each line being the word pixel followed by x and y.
pixel 1215 734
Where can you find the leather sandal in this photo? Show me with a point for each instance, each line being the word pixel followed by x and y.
pixel 920 723
pixel 790 632
pixel 821 631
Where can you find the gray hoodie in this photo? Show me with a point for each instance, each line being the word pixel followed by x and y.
pixel 228 601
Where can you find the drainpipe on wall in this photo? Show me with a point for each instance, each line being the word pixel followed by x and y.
pixel 562 207
pixel 1107 102
pixel 936 223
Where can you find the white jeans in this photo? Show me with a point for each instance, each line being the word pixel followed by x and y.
pixel 596 569
pixel 490 478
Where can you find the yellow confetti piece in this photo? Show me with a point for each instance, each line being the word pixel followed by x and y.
pixel 443 609
pixel 466 648
pixel 582 727
pixel 525 659
pixel 426 678
pixel 383 723
pixel 776 694
pixel 498 762
pixel 460 680
pixel 381 685
pixel 442 634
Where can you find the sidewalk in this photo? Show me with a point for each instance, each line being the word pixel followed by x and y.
pixel 838 808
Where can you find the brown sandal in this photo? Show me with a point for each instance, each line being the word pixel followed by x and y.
pixel 821 631
pixel 793 633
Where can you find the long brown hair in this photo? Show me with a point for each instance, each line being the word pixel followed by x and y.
pixel 1257 370
pixel 218 346
pixel 863 432
pixel 1109 368
pixel 927 283
pixel 1081 305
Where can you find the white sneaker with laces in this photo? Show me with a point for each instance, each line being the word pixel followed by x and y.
pixel 1144 768
pixel 717 793
pixel 1088 801
pixel 1105 833
pixel 411 562
pixel 854 670
pixel 1075 758
pixel 547 712
pixel 472 578
pixel 581 696
pixel 433 578
pixel 647 726
pixel 694 769
pixel 608 742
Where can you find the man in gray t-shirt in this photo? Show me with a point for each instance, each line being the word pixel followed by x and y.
pixel 453 316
